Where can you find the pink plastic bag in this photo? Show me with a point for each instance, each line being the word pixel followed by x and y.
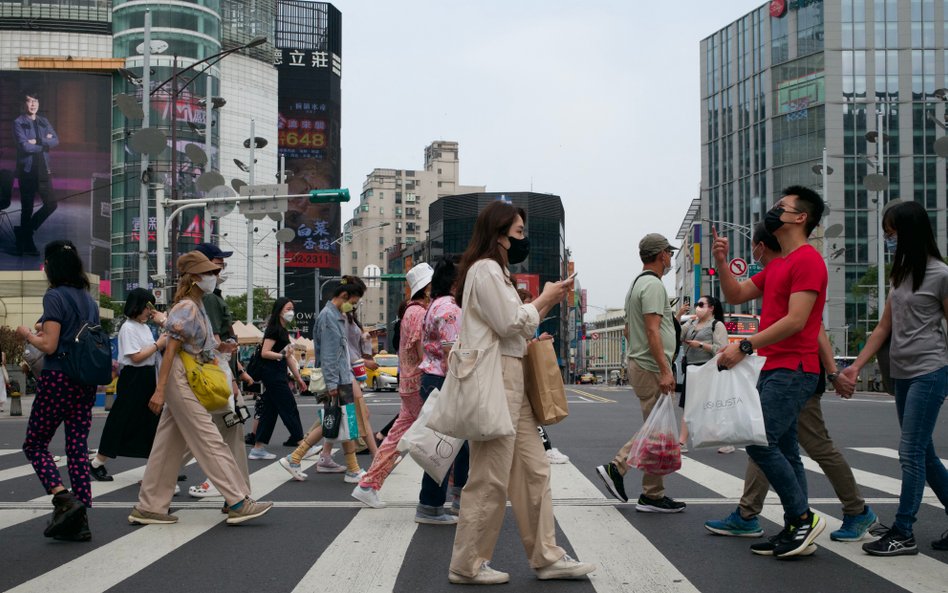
pixel 655 448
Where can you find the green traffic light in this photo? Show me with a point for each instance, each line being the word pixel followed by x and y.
pixel 325 196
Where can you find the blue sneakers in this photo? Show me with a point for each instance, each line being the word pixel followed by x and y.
pixel 855 526
pixel 735 525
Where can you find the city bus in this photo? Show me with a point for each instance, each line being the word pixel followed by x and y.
pixel 740 326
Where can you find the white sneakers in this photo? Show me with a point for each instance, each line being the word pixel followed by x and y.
pixel 369 496
pixel 554 456
pixel 259 453
pixel 485 576
pixel 565 568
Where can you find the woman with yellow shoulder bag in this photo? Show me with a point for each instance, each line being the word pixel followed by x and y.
pixel 188 386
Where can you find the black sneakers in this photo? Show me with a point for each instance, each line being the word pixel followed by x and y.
pixel 893 543
pixel 100 474
pixel 613 480
pixel 659 505
pixel 798 537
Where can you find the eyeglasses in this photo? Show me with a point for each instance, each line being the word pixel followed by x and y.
pixel 700 305
pixel 789 210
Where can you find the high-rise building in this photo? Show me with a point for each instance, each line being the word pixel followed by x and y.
pixel 793 77
pixel 452 219
pixel 393 210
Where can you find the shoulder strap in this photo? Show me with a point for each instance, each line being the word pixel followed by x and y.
pixel 75 307
pixel 645 273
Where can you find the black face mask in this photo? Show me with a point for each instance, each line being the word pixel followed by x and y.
pixel 518 251
pixel 772 220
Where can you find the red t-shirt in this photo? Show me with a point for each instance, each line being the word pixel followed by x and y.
pixel 802 270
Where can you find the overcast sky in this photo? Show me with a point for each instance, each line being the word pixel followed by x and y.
pixel 597 102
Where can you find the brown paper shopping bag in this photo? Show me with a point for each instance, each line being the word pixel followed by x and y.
pixel 544 384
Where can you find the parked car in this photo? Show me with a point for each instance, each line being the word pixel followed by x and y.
pixel 587 378
pixel 384 377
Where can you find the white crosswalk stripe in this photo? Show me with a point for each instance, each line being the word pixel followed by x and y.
pixel 596 527
pixel 919 574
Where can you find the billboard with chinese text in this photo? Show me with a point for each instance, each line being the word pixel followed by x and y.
pixel 309 63
pixel 55 174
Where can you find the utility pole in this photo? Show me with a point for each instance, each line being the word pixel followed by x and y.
pixel 880 243
pixel 143 190
pixel 251 165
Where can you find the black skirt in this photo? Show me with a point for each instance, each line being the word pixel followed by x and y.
pixel 130 427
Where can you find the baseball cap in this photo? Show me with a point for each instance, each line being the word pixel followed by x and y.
pixel 211 251
pixel 652 244
pixel 195 262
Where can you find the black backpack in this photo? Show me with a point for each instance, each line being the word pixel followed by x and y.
pixel 87 357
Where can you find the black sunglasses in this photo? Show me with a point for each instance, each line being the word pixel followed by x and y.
pixel 700 305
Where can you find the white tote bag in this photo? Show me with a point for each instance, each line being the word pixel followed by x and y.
pixel 433 451
pixel 473 402
pixel 723 407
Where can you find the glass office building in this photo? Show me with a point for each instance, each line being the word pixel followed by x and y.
pixel 792 77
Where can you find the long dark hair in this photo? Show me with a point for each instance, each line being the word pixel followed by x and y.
pixel 916 242
pixel 274 319
pixel 445 276
pixel 63 265
pixel 493 222
pixel 716 306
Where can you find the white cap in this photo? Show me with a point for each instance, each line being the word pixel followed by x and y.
pixel 419 277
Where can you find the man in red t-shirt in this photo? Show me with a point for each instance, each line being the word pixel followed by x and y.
pixel 793 288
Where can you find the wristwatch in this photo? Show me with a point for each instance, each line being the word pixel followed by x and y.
pixel 831 377
pixel 747 347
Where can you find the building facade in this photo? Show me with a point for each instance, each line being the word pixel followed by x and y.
pixel 451 223
pixel 393 211
pixel 604 344
pixel 793 77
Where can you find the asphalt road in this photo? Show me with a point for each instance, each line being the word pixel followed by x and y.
pixel 319 539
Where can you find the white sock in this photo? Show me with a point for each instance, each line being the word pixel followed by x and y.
pixel 96 463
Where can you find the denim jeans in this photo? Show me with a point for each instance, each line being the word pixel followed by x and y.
pixel 917 402
pixel 783 393
pixel 434 494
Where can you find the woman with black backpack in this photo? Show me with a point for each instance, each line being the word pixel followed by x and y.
pixel 61 398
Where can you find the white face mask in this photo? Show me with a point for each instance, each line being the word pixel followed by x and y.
pixel 289 316
pixel 221 278
pixel 207 283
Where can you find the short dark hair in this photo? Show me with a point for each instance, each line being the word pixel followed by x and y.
pixel 647 259
pixel 810 202
pixel 136 301
pixel 63 265
pixel 762 235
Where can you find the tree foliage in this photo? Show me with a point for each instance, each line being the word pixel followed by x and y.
pixel 262 303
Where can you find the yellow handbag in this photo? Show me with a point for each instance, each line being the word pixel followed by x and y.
pixel 208 381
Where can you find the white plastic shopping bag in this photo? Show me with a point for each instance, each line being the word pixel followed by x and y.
pixel 433 451
pixel 723 407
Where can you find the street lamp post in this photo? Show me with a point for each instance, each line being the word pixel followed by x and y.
pixel 879 184
pixel 175 92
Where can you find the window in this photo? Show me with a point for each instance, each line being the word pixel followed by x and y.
pixel 355 255
pixel 411 198
pixel 439 171
pixel 381 242
pixel 410 212
pixel 398 211
pixel 364 207
pixel 355 271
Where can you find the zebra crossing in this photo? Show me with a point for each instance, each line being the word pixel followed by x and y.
pixel 359 549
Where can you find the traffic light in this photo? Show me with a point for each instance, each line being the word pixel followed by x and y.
pixel 324 196
pixel 712 272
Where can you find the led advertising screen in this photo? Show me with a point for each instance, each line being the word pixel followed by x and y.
pixel 55 167
pixel 308 129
